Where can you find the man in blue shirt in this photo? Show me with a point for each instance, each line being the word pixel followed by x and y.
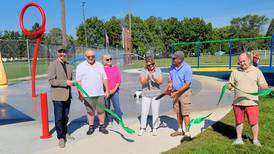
pixel 180 77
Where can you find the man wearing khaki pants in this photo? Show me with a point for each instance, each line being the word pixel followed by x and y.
pixel 92 77
pixel 180 77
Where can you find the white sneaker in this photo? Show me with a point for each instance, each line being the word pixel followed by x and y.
pixel 141 132
pixel 154 132
pixel 257 143
pixel 238 142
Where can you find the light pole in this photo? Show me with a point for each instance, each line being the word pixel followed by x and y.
pixel 130 34
pixel 63 18
pixel 84 22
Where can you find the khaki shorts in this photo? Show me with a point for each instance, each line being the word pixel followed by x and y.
pixel 182 103
pixel 90 104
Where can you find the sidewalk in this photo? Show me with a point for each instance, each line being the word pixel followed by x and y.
pixel 24 138
pixel 119 142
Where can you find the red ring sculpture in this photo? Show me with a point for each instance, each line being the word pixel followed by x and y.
pixel 36 34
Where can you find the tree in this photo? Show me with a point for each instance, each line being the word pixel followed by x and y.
pixel 171 31
pixel 113 28
pixel 10 46
pixel 270 29
pixel 155 36
pixel 247 26
pixel 95 32
pixel 54 36
pixel 219 34
pixel 139 35
pixel 191 30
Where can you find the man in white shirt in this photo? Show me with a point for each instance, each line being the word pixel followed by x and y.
pixel 91 75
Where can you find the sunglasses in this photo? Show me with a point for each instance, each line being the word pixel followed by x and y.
pixel 62 52
pixel 109 59
pixel 90 57
pixel 149 65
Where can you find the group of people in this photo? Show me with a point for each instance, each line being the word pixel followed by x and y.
pixel 102 81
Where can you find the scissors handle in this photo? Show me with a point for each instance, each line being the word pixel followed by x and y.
pixel 21 20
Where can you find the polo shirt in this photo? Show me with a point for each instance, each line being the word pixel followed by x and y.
pixel 91 77
pixel 180 75
pixel 248 81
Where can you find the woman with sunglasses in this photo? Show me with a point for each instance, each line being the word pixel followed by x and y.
pixel 114 81
pixel 150 78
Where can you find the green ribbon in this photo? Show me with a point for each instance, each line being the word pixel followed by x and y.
pixel 224 88
pixel 222 93
pixel 127 129
pixel 197 121
pixel 261 93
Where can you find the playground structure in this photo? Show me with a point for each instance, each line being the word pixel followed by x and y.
pixel 223 71
pixel 230 41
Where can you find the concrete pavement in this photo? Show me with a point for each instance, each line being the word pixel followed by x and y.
pixel 24 137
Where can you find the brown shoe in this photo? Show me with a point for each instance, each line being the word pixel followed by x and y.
pixel 68 137
pixel 61 143
pixel 186 138
pixel 177 133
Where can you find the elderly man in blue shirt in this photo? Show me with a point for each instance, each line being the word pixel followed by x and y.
pixel 180 77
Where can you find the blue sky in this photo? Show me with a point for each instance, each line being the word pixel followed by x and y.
pixel 218 12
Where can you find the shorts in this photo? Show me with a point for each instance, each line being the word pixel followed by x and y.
pixel 251 111
pixel 181 104
pixel 90 104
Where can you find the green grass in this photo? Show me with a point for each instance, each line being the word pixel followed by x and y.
pixel 204 60
pixel 219 137
pixel 21 69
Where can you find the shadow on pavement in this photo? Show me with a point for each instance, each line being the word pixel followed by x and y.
pixel 10 115
pixel 165 122
pixel 122 136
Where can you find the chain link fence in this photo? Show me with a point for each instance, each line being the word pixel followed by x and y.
pixel 17 57
pixel 217 54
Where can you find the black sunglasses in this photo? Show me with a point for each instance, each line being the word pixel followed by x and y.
pixel 150 65
pixel 62 51
pixel 110 59
pixel 90 57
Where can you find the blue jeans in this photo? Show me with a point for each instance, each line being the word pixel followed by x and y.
pixel 61 111
pixel 114 100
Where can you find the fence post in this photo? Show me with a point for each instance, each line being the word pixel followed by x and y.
pixel 198 54
pixel 271 50
pixel 230 53
pixel 29 63
pixel 172 53
pixel 48 54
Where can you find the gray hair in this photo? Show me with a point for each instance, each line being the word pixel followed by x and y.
pixel 104 57
pixel 179 54
pixel 89 50
pixel 245 53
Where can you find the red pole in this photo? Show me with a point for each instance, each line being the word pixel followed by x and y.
pixel 35 54
pixel 38 35
pixel 44 116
